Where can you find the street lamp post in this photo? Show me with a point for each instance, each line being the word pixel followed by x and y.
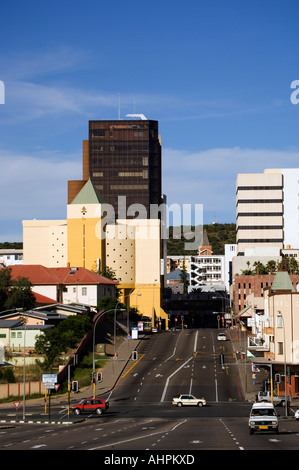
pixel 93 346
pixel 24 371
pixel 285 362
pixel 93 342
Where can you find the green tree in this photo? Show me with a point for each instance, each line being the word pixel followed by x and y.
pixel 271 266
pixel 184 277
pixel 20 295
pixel 248 271
pixel 5 283
pixel 259 268
pixel 15 293
pixel 66 335
pixel 292 265
pixel 109 303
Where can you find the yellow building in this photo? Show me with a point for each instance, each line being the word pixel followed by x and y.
pixel 131 248
pixel 133 252
pixel 84 246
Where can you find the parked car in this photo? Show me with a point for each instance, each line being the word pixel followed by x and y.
pixel 91 405
pixel 181 400
pixel 265 396
pixel 221 337
pixel 297 414
pixel 263 417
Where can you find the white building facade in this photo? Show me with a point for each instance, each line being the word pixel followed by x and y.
pixel 207 270
pixel 267 209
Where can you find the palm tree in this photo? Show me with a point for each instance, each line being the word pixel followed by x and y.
pixel 271 266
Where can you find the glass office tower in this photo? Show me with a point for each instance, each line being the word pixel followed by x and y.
pixel 125 160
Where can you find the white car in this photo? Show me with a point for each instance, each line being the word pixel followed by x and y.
pixel 263 417
pixel 221 337
pixel 181 400
pixel 297 414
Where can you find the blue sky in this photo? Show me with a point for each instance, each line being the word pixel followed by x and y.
pixel 216 75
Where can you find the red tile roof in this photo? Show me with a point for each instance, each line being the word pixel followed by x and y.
pixel 38 275
pixel 42 299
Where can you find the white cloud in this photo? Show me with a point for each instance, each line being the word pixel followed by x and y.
pixel 209 177
pixel 36 186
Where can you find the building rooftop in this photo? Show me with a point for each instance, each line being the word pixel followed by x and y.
pixel 89 194
pixel 282 281
pixel 41 275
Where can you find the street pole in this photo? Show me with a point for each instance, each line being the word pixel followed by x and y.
pixel 93 342
pixel 285 368
pixel 285 362
pixel 24 372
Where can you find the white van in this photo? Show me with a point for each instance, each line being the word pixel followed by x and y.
pixel 263 417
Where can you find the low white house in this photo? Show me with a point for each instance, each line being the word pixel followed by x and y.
pixel 11 256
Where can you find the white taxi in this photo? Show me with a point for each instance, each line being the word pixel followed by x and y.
pixel 187 399
pixel 221 337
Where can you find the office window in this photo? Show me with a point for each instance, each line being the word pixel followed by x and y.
pixel 279 348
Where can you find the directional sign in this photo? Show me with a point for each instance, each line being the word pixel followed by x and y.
pixel 49 385
pixel 50 378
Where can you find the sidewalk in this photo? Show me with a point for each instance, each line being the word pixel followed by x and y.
pixel 250 387
pixel 112 371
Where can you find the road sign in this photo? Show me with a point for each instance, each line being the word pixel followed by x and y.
pixel 17 404
pixel 134 333
pixel 50 378
pixel 49 385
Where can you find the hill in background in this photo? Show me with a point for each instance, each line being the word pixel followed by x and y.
pixel 218 235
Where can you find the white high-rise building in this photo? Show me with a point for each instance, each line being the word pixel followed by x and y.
pixel 267 210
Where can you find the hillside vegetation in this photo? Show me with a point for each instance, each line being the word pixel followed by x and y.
pixel 218 235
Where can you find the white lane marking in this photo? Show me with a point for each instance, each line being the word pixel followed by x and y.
pixel 168 378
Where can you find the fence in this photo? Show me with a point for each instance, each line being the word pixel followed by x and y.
pixel 17 389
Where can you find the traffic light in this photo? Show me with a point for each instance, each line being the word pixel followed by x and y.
pixel 99 377
pixel 75 386
pixel 134 355
pixel 93 378
pixel 277 378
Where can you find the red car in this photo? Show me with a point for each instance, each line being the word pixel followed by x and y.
pixel 89 405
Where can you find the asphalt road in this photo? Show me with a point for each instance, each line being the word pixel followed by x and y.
pixel 142 418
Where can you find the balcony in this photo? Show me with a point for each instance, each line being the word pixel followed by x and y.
pixel 269 331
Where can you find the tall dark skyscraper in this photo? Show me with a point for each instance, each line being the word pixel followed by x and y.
pixel 124 159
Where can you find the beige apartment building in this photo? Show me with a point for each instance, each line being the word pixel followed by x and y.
pixel 259 211
pixel 267 210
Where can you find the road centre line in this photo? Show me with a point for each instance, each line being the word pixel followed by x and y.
pixel 171 375
pixel 168 378
pixel 174 348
